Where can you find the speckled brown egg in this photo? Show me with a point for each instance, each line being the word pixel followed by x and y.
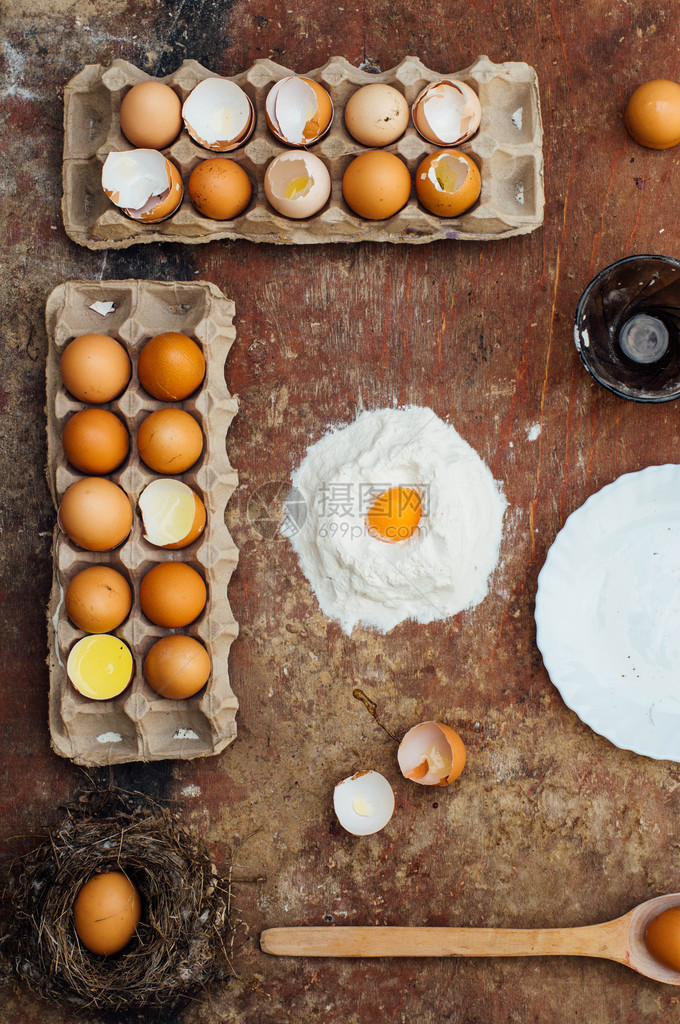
pixel 219 188
pixel 98 599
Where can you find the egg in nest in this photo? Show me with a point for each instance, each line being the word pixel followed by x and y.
pixel 394 517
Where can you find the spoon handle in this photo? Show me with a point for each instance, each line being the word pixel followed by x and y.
pixel 608 940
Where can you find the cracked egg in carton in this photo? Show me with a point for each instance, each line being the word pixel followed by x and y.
pixel 140 725
pixel 507 148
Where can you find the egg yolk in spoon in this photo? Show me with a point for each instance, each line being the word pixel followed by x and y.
pixel 662 937
pixel 395 514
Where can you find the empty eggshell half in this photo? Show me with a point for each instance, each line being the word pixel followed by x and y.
pixel 297 184
pixel 143 183
pixel 431 754
pixel 298 111
pixel 218 115
pixel 447 112
pixel 172 512
pixel 363 803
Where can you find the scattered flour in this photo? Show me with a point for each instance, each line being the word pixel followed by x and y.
pixel 443 568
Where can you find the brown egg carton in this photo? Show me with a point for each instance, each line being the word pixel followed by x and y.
pixel 140 725
pixel 507 148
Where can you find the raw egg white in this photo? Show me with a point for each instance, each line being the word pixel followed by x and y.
pixel 95 368
pixel 143 183
pixel 376 115
pixel 172 594
pixel 177 667
pixel 431 754
pixel 298 111
pixel 652 115
pixel 447 113
pixel 106 912
pixel 376 185
pixel 448 183
pixel 218 115
pixel 219 188
pixel 297 184
pixel 95 441
pixel 363 803
pixel 95 514
pixel 170 366
pixel 151 115
pixel 98 599
pixel 169 441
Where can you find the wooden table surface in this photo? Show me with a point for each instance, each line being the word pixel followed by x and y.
pixel 550 824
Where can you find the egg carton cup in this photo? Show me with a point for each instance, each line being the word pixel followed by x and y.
pixel 507 149
pixel 140 725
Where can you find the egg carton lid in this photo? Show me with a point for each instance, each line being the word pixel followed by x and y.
pixel 140 725
pixel 507 148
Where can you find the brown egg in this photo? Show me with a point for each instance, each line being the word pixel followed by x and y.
pixel 106 912
pixel 376 185
pixel 177 667
pixel 652 115
pixel 98 599
pixel 448 182
pixel 95 441
pixel 169 441
pixel 172 594
pixel 95 514
pixel 376 114
pixel 151 115
pixel 219 188
pixel 95 368
pixel 171 366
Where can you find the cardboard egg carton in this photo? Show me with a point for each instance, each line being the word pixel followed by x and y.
pixel 140 725
pixel 507 149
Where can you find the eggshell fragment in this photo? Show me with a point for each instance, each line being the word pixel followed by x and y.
pixel 169 510
pixel 363 803
pixel 106 912
pixel 218 115
pixel 143 183
pixel 447 112
pixel 297 184
pixel 299 111
pixel 431 754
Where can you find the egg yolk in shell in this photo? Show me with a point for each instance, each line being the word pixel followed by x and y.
pixel 395 514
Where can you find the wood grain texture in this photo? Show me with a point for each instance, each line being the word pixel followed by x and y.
pixel 549 824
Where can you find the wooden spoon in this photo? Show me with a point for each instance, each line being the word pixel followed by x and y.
pixel 622 940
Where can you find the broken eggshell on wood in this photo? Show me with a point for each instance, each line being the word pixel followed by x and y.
pixel 143 183
pixel 363 803
pixel 447 113
pixel 431 754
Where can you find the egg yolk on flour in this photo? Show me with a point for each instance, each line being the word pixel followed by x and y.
pixel 395 514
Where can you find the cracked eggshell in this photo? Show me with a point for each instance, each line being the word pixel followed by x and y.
pixel 431 754
pixel 448 182
pixel 172 513
pixel 218 115
pixel 297 184
pixel 447 112
pixel 143 183
pixel 376 114
pixel 298 111
pixel 363 803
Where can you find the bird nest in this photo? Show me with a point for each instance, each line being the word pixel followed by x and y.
pixel 181 942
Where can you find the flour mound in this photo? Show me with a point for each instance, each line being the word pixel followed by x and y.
pixel 443 569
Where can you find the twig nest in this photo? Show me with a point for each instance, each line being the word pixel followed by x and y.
pixel 431 754
pixel 179 944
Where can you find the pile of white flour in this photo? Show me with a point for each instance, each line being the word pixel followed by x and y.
pixel 443 568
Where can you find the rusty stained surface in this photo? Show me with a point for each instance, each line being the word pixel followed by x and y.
pixel 550 824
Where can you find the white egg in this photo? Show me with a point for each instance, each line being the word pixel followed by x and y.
pixel 363 803
pixel 297 184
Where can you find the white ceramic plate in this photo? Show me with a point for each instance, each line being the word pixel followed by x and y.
pixel 608 612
